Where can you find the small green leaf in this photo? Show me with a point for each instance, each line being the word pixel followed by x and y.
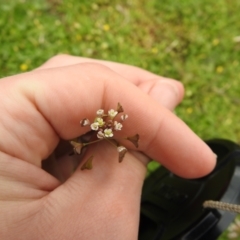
pixel 88 164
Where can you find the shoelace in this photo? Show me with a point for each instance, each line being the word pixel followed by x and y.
pixel 222 206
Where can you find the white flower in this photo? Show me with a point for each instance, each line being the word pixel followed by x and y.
pixel 124 117
pixel 108 132
pixel 112 113
pixel 100 112
pixel 100 122
pixel 95 126
pixel 117 126
pixel 100 134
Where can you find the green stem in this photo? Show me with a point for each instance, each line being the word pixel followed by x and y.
pixel 110 142
pixel 88 143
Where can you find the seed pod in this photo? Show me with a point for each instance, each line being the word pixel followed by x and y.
pixel 124 117
pixel 84 122
pixel 122 151
pixel 88 164
pixel 134 139
pixel 77 147
pixel 119 108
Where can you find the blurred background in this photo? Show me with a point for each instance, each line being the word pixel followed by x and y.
pixel 196 42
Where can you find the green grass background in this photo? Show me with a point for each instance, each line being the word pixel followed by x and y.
pixel 197 42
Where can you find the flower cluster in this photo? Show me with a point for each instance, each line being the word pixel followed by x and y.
pixel 104 127
pixel 104 124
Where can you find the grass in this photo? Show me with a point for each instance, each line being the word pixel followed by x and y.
pixel 194 41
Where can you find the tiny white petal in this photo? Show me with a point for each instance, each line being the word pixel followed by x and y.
pixel 108 132
pixel 112 113
pixel 100 122
pixel 95 126
pixel 100 134
pixel 100 112
pixel 117 126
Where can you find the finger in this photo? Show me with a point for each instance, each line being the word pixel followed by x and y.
pixel 66 95
pixel 109 193
pixel 103 194
pixel 135 74
pixel 166 91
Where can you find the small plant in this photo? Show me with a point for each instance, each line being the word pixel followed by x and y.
pixel 102 128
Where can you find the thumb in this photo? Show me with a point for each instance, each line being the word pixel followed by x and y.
pixel 106 197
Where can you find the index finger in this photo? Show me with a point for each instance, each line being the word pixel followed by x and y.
pixel 153 84
pixel 135 74
pixel 66 95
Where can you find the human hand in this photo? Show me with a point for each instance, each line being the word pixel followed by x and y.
pixel 43 106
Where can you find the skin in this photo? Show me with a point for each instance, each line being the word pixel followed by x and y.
pixel 42 107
